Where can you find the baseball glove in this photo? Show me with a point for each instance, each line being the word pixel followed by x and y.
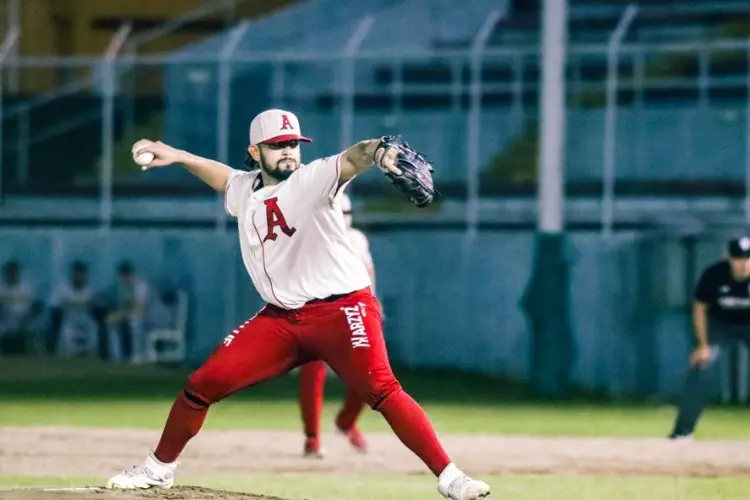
pixel 415 180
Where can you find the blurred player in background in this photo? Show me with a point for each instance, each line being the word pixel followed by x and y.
pixel 73 324
pixel 16 309
pixel 297 251
pixel 313 375
pixel 721 316
pixel 125 322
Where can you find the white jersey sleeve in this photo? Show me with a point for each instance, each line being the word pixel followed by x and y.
pixel 239 186
pixel 320 178
pixel 17 298
pixel 65 296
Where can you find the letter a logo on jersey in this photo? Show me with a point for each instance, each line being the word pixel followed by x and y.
pixel 275 218
pixel 285 123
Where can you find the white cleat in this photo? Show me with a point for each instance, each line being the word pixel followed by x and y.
pixel 683 438
pixel 455 485
pixel 151 473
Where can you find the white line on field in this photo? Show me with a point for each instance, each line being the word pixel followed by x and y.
pixel 81 488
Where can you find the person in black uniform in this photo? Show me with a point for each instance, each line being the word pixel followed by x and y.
pixel 721 315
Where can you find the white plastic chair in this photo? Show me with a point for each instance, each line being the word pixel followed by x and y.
pixel 78 336
pixel 172 349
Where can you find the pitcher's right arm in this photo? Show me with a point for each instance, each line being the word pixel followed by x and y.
pixel 212 172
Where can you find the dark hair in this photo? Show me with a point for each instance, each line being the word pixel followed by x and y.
pixel 78 265
pixel 251 162
pixel 125 268
pixel 11 265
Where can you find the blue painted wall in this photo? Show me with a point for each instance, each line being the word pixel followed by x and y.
pixel 448 302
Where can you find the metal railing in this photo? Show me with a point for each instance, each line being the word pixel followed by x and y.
pixel 519 58
pixel 120 42
pixel 204 10
pixel 467 79
pixel 478 46
pixel 613 53
pixel 109 88
pixel 10 41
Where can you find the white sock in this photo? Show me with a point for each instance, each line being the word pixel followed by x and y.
pixel 160 463
pixel 450 473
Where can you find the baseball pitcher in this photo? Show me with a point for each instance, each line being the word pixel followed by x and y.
pixel 297 251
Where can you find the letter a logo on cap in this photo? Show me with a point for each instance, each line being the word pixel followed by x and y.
pixel 285 123
pixel 275 125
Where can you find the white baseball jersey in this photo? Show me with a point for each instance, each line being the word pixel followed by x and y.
pixel 74 303
pixel 361 246
pixel 71 299
pixel 294 242
pixel 15 303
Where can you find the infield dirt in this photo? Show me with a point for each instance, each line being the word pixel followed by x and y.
pixel 82 452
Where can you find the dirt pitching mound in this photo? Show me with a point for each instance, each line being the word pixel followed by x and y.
pixel 95 493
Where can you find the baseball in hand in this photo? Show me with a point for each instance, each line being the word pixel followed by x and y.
pixel 144 159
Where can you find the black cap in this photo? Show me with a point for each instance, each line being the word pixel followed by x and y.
pixel 739 248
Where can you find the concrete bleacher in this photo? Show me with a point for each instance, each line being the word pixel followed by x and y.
pixel 687 143
pixel 312 89
pixel 656 142
pixel 426 98
pixel 595 20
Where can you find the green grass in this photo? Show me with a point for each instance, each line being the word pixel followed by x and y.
pixel 326 487
pixel 242 413
pixel 78 393
pixel 90 393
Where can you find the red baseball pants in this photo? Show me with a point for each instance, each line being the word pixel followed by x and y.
pixel 345 333
pixel 312 379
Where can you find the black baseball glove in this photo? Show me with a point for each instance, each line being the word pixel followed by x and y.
pixel 415 180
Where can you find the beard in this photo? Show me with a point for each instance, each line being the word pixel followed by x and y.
pixel 276 171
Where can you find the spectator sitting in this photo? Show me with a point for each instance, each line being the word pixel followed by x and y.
pixel 17 311
pixel 125 321
pixel 74 330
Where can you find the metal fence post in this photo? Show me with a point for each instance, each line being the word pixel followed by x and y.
pixel 22 155
pixel 747 143
pixel 347 80
pixel 130 51
pixel 109 91
pixel 610 117
pixel 14 13
pixel 473 125
pixel 6 48
pixel 224 100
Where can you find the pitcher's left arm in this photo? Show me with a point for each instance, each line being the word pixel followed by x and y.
pixel 407 169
